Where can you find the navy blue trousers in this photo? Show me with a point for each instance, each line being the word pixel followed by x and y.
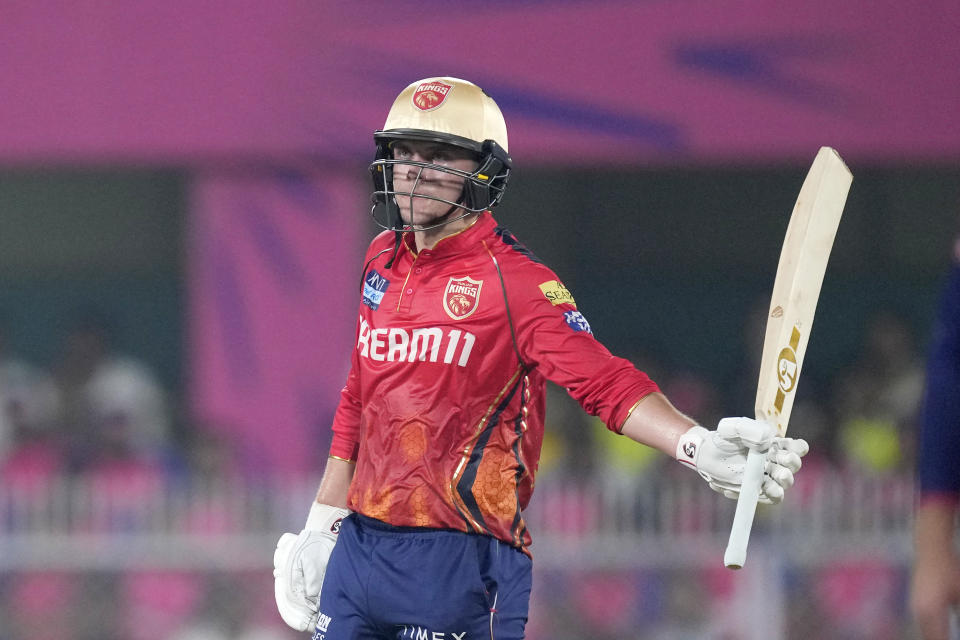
pixel 406 583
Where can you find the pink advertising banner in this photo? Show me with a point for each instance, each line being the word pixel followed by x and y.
pixel 579 81
pixel 274 281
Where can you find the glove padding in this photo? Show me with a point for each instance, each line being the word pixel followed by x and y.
pixel 300 563
pixel 720 456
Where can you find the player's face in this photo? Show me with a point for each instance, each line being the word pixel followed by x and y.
pixel 419 181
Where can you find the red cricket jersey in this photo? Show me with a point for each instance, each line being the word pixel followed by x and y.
pixel 444 405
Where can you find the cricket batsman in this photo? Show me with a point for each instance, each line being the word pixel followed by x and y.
pixel 417 530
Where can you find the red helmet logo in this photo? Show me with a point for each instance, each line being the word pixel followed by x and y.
pixel 430 95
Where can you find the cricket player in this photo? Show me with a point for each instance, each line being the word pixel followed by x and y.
pixel 936 579
pixel 417 530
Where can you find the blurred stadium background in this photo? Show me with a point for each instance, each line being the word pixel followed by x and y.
pixel 183 208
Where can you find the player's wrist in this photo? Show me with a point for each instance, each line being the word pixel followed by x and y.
pixel 689 445
pixel 325 518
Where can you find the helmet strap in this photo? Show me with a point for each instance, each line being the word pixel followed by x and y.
pixel 398 238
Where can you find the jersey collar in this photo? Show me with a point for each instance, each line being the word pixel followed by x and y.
pixel 458 242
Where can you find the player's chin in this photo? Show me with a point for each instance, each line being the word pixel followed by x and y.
pixel 424 218
pixel 424 222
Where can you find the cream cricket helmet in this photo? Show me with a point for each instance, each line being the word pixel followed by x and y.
pixel 449 111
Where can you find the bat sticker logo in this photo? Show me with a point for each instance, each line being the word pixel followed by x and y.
pixel 787 369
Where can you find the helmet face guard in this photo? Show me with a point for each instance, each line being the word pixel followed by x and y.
pixel 483 188
pixel 448 111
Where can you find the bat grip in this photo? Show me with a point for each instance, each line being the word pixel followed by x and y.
pixel 736 553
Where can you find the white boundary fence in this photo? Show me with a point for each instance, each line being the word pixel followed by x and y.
pixel 667 524
pixel 70 524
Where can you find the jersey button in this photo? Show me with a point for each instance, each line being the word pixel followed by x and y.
pixel 409 292
pixel 418 270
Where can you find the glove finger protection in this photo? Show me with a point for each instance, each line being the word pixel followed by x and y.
pixel 789 452
pixel 779 474
pixel 300 564
pixel 746 432
pixel 770 492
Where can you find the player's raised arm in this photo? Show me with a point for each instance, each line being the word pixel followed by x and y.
pixel 719 456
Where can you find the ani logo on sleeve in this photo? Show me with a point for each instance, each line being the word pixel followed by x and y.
pixel 461 297
pixel 374 286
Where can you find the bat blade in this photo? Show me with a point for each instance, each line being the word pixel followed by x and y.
pixel 796 290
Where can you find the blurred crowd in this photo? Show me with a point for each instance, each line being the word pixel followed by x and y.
pixel 104 416
pixel 94 411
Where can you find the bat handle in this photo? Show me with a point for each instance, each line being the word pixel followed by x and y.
pixel 736 553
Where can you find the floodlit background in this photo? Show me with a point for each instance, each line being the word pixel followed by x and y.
pixel 183 211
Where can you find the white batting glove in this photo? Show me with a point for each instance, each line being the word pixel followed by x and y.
pixel 300 563
pixel 720 456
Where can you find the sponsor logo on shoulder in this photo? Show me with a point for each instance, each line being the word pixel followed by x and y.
pixel 576 321
pixel 461 297
pixel 556 293
pixel 374 287
pixel 430 95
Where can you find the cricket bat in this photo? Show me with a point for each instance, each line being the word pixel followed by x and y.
pixel 803 261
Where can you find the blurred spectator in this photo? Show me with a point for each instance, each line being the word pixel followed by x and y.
pixel 31 447
pixel 29 400
pixel 877 400
pixel 113 403
pixel 116 420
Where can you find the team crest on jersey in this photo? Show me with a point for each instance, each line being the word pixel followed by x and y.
pixel 430 95
pixel 374 287
pixel 461 297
